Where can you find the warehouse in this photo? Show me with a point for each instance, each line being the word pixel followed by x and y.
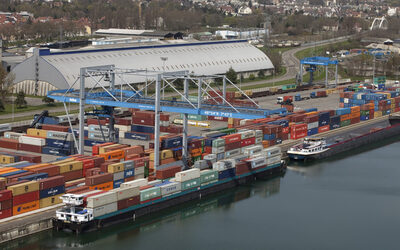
pixel 46 70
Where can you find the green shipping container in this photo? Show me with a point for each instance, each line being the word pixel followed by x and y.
pixel 364 112
pixel 218 143
pixel 208 176
pixel 196 117
pixel 150 193
pixel 191 98
pixel 345 123
pixel 197 158
pixel 190 184
pixel 228 131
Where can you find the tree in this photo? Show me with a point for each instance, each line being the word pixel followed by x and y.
pixel 6 81
pixel 231 75
pixel 261 74
pixel 252 77
pixel 20 101
pixel 49 101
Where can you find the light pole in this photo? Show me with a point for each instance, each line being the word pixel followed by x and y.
pixel 164 59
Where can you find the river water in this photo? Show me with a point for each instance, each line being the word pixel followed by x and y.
pixel 349 202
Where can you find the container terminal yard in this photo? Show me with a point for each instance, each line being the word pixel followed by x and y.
pixel 136 153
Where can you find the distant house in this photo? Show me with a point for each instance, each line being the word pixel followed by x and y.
pixel 244 10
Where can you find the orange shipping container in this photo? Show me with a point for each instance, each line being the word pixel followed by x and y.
pixel 355 109
pixel 265 144
pixel 26 207
pixel 323 129
pixel 344 117
pixel 103 186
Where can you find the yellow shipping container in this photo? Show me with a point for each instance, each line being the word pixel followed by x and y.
pixel 6 159
pixel 36 166
pixel 377 114
pixel 24 188
pixel 230 121
pixel 238 94
pixel 50 201
pixel 165 154
pixel 115 168
pixel 273 89
pixel 36 132
pixel 249 93
pixel 70 166
pixel 63 161
pixel 393 105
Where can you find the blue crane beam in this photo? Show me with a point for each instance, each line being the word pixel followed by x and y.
pixel 131 99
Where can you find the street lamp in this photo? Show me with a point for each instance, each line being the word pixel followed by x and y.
pixel 164 59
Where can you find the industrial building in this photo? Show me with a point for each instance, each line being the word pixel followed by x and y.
pixel 48 70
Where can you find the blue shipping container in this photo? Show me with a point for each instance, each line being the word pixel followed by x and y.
pixel 172 142
pixel 228 173
pixel 143 129
pixel 51 191
pixel 59 143
pixel 34 177
pixel 269 137
pixel 312 131
pixel 56 151
pixel 117 183
pixel 90 143
pixel 137 136
pixel 129 172
pixel 13 173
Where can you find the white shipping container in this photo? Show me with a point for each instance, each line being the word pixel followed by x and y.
pixel 126 192
pixel 258 162
pixel 164 123
pixel 274 160
pixel 243 122
pixel 96 128
pixel 64 136
pixel 229 163
pixel 13 135
pixel 259 140
pixel 97 135
pixel 103 210
pixel 187 175
pixel 32 140
pixel 5 127
pixel 171 188
pixel 219 166
pixel 101 199
pixel 272 151
pixel 139 171
pixel 123 128
pixel 218 150
pixel 135 183
pixel 118 176
pixel 233 152
pixel 201 164
pixel 247 134
pixel 259 133
pixel 139 176
pixel 312 125
pixel 346 100
pixel 253 150
pixel 210 157
pixel 242 150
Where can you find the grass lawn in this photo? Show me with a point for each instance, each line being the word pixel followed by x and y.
pixel 8 108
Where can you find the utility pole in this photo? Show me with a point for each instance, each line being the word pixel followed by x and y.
pixel 164 59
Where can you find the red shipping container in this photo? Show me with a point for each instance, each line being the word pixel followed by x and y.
pixel 92 172
pixel 208 150
pixel 285 137
pixel 247 142
pixel 143 121
pixel 218 118
pixel 164 117
pixel 55 127
pixel 75 183
pixel 233 145
pixel 7 204
pixel 72 175
pixel 122 204
pixel 2 184
pixel 323 129
pixel 77 190
pixel 145 187
pixel 121 121
pixel 242 168
pixel 95 148
pixel 298 135
pixel 25 198
pixel 134 150
pixel 311 118
pixel 98 179
pixel 168 172
pixel 15 183
pixel 14 178
pixel 9 143
pixel 285 130
pixel 31 158
pixel 231 138
pixel 30 148
pixel 5 195
pixel 195 143
pixel 51 182
pixel 5 213
pixel 131 157
pixel 91 121
pixel 143 114
pixel 51 170
pixel 298 127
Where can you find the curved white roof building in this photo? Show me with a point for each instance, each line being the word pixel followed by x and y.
pixel 61 69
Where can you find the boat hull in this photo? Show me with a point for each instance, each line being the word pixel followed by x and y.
pixel 170 201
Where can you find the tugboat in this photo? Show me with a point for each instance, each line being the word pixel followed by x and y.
pixel 309 149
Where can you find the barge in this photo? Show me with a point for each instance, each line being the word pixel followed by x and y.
pixel 136 211
pixel 340 145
